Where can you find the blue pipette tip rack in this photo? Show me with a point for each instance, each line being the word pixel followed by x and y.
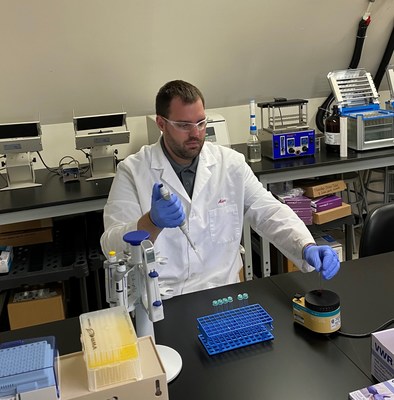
pixel 27 365
pixel 235 328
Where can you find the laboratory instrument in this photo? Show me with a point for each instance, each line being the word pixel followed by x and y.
pixel 216 130
pixel 287 134
pixel 17 141
pixel 183 227
pixel 234 328
pixel 318 311
pixel 253 143
pixel 132 281
pixel 99 133
pixel 368 126
pixel 29 369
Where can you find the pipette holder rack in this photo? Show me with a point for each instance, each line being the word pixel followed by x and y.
pixel 235 328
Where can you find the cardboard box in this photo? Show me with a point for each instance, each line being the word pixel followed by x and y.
pixel 333 214
pixel 323 189
pixel 153 385
pixel 382 355
pixel 29 308
pixel 289 266
pixel 28 225
pixel 25 238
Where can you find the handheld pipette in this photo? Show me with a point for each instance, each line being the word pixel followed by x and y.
pixel 167 196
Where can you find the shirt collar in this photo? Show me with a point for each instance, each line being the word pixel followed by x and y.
pixel 178 168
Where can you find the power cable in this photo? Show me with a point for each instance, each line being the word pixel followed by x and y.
pixel 367 334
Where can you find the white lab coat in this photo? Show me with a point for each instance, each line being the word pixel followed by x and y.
pixel 225 190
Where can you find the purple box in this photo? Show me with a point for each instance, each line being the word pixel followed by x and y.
pixel 295 202
pixel 326 203
pixel 307 221
pixel 303 212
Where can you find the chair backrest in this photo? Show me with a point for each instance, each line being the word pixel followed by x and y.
pixel 377 235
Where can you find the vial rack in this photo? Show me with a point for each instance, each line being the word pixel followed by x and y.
pixel 235 328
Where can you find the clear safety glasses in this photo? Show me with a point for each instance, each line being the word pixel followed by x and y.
pixel 188 126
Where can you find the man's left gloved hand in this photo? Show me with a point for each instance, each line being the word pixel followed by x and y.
pixel 323 258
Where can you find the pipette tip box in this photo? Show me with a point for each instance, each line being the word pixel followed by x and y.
pixel 235 328
pixel 29 365
pixel 110 347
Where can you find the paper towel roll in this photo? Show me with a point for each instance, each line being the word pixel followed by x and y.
pixel 343 130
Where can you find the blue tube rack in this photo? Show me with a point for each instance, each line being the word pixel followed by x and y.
pixel 235 328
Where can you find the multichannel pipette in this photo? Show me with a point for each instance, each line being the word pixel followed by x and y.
pixel 167 196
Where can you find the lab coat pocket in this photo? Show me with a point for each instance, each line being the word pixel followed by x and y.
pixel 224 224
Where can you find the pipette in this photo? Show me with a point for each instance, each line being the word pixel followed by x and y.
pixel 167 196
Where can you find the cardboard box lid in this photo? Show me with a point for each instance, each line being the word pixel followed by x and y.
pixel 25 238
pixel 313 189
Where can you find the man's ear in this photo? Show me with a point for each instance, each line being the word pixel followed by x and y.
pixel 160 122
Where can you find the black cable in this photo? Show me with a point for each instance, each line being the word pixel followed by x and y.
pixel 323 110
pixel 367 334
pixel 53 170
pixel 385 60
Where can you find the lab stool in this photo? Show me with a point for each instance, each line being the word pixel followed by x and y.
pixel 355 195
pixel 382 186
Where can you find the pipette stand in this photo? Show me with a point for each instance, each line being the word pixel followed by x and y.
pixel 102 162
pixel 143 296
pixel 171 359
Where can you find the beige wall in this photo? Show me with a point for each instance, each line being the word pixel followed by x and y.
pixel 99 56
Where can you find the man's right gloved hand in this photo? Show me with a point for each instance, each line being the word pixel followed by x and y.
pixel 165 213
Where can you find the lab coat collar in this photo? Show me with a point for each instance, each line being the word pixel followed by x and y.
pixel 168 176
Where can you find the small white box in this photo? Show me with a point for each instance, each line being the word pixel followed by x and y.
pixel 384 389
pixel 327 240
pixel 382 355
pixel 5 259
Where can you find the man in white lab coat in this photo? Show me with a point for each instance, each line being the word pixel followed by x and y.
pixel 213 189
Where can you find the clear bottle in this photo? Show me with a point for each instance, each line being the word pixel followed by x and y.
pixel 254 148
pixel 254 145
pixel 332 131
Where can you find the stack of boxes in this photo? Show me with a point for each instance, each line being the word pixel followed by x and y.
pixel 301 205
pixel 319 204
pixel 326 205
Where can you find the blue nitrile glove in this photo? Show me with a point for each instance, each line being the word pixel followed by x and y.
pixel 165 213
pixel 323 258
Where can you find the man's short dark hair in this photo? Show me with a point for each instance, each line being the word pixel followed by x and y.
pixel 187 92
